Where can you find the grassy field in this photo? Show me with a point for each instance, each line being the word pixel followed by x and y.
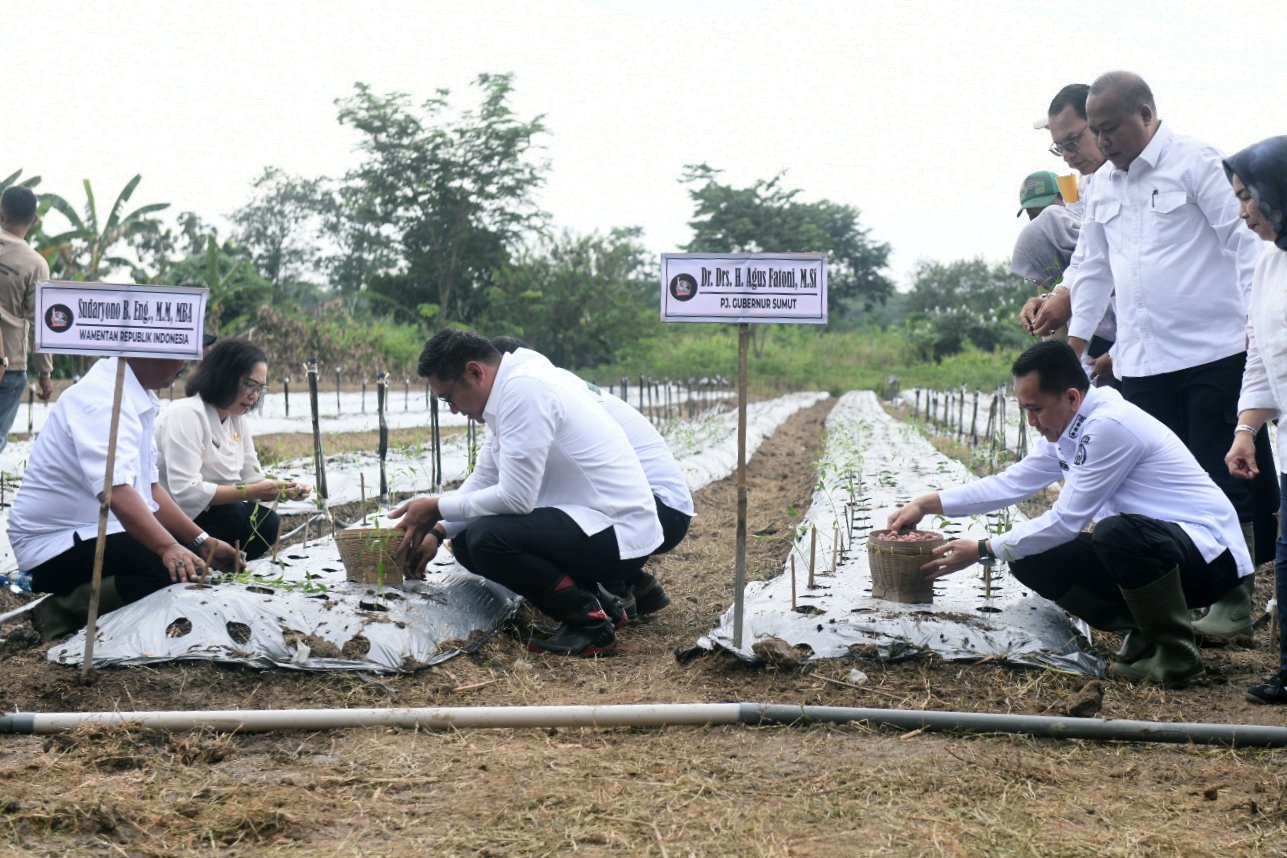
pixel 802 357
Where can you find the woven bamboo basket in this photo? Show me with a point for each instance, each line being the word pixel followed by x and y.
pixel 896 567
pixel 370 555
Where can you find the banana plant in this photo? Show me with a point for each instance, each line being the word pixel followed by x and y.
pixel 84 251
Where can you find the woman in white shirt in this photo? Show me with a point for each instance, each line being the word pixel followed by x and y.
pixel 207 456
pixel 1259 177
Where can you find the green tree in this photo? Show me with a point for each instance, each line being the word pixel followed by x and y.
pixel 452 196
pixel 767 217
pixel 281 226
pixel 577 299
pixel 84 252
pixel 236 289
pixel 967 301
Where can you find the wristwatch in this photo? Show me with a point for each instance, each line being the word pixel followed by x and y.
pixel 197 541
pixel 986 557
pixel 4 361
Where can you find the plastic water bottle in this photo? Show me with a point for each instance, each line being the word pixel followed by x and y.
pixel 17 581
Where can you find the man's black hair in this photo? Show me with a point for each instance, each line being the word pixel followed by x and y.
pixel 508 345
pixel 1074 95
pixel 1056 366
pixel 217 379
pixel 447 352
pixel 18 204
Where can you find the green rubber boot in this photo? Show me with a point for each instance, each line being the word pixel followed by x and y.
pixel 58 616
pixel 1109 615
pixel 1229 620
pixel 1162 617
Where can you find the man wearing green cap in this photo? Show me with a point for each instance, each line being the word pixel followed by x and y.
pixel 1039 191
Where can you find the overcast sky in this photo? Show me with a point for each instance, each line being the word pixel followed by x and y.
pixel 918 113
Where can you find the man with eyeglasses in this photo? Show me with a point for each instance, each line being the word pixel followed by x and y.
pixel 1043 315
pixel 1162 229
pixel 557 501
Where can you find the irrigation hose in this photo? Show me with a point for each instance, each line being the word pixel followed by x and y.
pixel 657 715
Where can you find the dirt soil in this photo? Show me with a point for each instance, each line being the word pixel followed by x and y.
pixel 772 791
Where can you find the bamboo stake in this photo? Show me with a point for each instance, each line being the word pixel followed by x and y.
pixel 793 579
pixel 835 550
pixel 813 553
pixel 100 545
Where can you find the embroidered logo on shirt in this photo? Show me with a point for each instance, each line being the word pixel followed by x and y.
pixel 1063 464
pixel 1081 451
pixel 1076 425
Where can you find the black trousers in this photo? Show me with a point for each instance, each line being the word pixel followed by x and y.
pixel 138 570
pixel 674 526
pixel 1126 552
pixel 530 554
pixel 1200 405
pixel 245 523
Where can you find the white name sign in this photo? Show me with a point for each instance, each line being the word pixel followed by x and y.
pixel 120 319
pixel 783 288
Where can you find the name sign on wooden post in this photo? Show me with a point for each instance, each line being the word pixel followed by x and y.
pixel 123 321
pixel 747 288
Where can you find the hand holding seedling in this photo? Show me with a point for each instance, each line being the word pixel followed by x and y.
pixel 271 490
pixel 418 517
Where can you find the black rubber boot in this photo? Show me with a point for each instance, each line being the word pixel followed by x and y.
pixel 585 630
pixel 649 595
pixel 58 616
pixel 1162 616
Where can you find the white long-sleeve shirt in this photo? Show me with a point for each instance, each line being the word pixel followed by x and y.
pixel 550 444
pixel 199 452
pixel 1114 458
pixel 1166 234
pixel 1264 382
pixel 68 467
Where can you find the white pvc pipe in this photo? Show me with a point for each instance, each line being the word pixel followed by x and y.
pixel 657 715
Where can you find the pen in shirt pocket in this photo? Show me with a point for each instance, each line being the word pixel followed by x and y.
pixel 1153 204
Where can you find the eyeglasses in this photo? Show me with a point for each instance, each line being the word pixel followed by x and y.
pixel 1069 145
pixel 253 388
pixel 445 398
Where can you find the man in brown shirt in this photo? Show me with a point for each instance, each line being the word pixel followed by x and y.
pixel 21 268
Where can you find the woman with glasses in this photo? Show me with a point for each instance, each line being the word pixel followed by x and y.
pixel 207 457
pixel 1259 178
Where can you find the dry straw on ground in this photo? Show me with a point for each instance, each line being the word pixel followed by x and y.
pixel 773 791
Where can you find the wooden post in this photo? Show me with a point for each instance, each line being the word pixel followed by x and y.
pixel 739 575
pixel 813 552
pixel 381 400
pixel 91 625
pixel 319 462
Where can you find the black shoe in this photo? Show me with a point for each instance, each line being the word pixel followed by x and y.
pixel 595 637
pixel 1270 691
pixel 619 608
pixel 649 596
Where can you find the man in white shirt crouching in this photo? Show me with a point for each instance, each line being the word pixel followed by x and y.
pixel 557 500
pixel 54 521
pixel 1165 539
